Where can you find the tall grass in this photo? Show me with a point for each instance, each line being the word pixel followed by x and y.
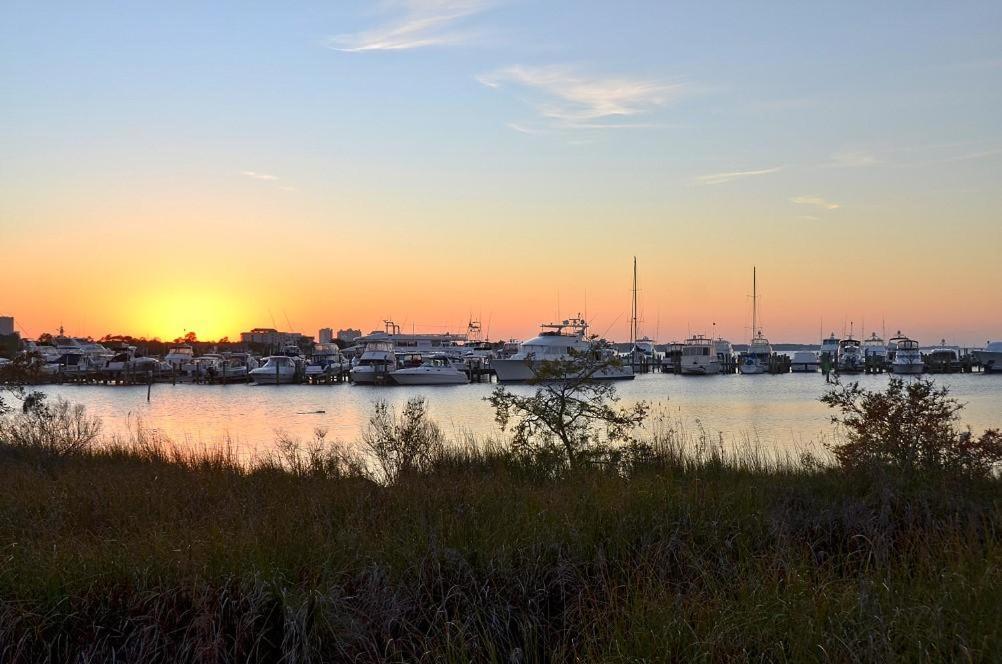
pixel 677 548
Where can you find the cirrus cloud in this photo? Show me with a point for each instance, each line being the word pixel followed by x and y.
pixel 815 201
pixel 423 23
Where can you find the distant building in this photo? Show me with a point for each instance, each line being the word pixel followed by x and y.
pixel 326 335
pixel 348 336
pixel 272 337
pixel 6 325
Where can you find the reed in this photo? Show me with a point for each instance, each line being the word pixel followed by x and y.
pixel 680 548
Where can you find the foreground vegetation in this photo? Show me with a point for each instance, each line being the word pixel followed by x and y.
pixel 408 547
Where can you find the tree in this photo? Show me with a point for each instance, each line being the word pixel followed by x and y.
pixel 570 405
pixel 909 426
pixel 190 338
pixel 403 444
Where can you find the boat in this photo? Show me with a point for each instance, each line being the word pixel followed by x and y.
pixel 436 369
pixel 892 345
pixel 990 357
pixel 377 359
pixel 277 370
pixel 849 359
pixel 126 361
pixel 756 359
pixel 725 352
pixel 326 361
pixel 699 357
pixel 180 358
pixel 943 359
pixel 829 347
pixel 907 357
pixel 804 361
pixel 554 342
pixel 874 350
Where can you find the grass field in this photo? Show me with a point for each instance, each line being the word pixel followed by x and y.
pixel 137 551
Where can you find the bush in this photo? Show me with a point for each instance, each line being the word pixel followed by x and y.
pixel 909 426
pixel 405 444
pixel 60 429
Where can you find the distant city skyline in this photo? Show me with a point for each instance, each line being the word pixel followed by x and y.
pixel 217 166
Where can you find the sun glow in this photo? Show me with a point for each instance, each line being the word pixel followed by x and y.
pixel 211 314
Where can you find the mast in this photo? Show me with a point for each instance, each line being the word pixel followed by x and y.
pixel 754 303
pixel 633 310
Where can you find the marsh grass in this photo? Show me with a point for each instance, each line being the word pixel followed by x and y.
pixel 677 548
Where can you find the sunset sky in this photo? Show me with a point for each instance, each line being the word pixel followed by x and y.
pixel 215 166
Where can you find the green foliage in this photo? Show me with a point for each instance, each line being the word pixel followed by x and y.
pixel 572 404
pixel 910 426
pixel 404 444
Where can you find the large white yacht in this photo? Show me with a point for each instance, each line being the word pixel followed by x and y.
pixel 435 369
pixel 990 356
pixel 874 349
pixel 327 360
pixel 907 357
pixel 699 357
pixel 377 359
pixel 554 342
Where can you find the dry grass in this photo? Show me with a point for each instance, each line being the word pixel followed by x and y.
pixel 141 551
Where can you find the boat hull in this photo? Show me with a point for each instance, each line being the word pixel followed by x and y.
pixel 700 369
pixel 991 361
pixel 907 369
pixel 271 378
pixel 418 377
pixel 804 367
pixel 520 371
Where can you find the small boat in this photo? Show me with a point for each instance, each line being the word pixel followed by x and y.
pixel 277 370
pixel 907 357
pixel 377 359
pixel 804 361
pixel 724 351
pixel 849 359
pixel 990 356
pixel 699 357
pixel 180 358
pixel 438 369
pixel 326 361
pixel 554 342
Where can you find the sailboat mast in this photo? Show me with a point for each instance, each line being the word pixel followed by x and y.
pixel 633 310
pixel 754 302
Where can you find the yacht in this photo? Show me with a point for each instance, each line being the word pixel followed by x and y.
pixel 907 357
pixel 699 357
pixel 829 347
pixel 804 361
pixel 126 361
pixel 435 369
pixel 326 360
pixel 850 356
pixel 755 360
pixel 554 342
pixel 180 358
pixel 277 370
pixel 724 351
pixel 990 356
pixel 377 359
pixel 644 351
pixel 943 358
pixel 874 350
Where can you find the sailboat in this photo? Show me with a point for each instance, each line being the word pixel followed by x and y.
pixel 756 359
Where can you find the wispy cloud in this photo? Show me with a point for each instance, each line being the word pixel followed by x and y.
pixel 419 24
pixel 259 176
pixel 570 100
pixel 816 201
pixel 809 217
pixel 853 159
pixel 721 178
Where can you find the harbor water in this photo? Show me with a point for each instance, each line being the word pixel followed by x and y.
pixel 778 413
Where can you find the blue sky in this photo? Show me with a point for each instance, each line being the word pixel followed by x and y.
pixel 732 122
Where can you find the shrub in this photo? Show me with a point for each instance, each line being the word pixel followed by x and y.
pixel 909 426
pixel 60 429
pixel 402 444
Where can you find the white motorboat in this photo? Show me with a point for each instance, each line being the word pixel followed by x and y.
pixel 326 360
pixel 377 359
pixel 724 351
pixel 990 356
pixel 850 356
pixel 277 370
pixel 438 369
pixel 907 357
pixel 180 358
pixel 554 342
pixel 126 361
pixel 804 361
pixel 644 351
pixel 699 357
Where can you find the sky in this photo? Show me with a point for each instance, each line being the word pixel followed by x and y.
pixel 216 166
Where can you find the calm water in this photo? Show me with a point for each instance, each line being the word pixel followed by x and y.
pixel 780 412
